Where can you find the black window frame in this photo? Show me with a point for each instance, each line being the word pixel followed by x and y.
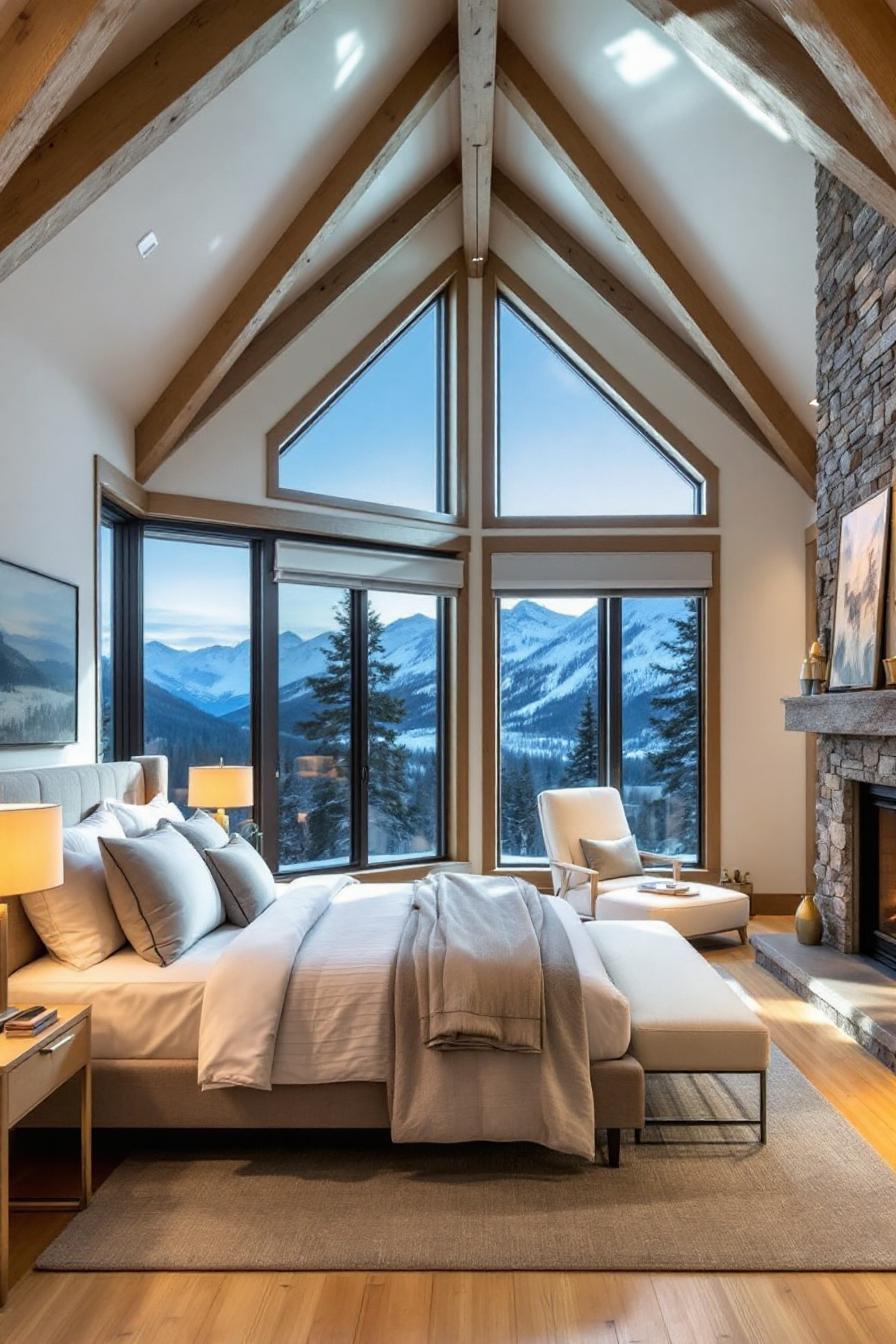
pixel 609 670
pixel 127 736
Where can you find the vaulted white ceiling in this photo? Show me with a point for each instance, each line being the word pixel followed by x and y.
pixel 734 200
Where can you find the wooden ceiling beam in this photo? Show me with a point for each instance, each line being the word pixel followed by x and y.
pixel 790 441
pixel 133 113
pixel 763 61
pixel 161 429
pixel 45 53
pixel 853 43
pixel 616 295
pixel 477 26
pixel 357 265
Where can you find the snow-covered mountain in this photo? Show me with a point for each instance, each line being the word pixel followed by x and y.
pixel 548 663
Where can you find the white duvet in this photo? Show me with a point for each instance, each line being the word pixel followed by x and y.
pixel 303 994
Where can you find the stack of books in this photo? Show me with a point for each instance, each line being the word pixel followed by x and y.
pixel 30 1026
pixel 666 887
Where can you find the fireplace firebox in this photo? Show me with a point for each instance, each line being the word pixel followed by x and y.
pixel 877 873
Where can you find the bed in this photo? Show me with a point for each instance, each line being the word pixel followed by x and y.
pixel 146 1017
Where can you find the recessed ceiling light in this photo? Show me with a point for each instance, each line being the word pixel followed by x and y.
pixel 477 261
pixel 147 244
pixel 814 403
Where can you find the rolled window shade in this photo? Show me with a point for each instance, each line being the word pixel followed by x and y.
pixel 352 567
pixel 601 572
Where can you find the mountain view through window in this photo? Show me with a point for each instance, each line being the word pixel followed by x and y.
pixel 554 711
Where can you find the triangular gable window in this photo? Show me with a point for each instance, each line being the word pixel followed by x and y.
pixel 567 448
pixel 380 438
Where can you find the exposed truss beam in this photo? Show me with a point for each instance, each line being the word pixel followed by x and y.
pixel 790 441
pixel 339 281
pixel 135 112
pixel 45 53
pixel 160 430
pixel 477 26
pixel 853 42
pixel 762 60
pixel 609 288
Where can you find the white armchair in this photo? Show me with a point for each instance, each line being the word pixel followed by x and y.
pixel 569 816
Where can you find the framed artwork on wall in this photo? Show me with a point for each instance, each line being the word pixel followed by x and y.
pixel 38 658
pixel 859 600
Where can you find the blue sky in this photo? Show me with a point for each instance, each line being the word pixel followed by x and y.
pixel 564 448
pixel 378 440
pixel 198 593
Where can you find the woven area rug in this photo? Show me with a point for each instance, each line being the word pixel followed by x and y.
pixel 817 1197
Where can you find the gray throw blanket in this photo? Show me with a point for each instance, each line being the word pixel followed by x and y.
pixel 490 1034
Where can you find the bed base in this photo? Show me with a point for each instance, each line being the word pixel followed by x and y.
pixel 163 1094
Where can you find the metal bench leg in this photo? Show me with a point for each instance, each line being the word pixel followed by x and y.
pixel 614 1143
pixel 763 1107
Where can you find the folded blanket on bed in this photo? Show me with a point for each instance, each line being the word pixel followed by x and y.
pixel 243 999
pixel 488 1044
pixel 478 963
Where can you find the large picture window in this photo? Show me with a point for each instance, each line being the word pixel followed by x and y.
pixel 381 438
pixel 360 726
pixel 334 691
pixel 602 691
pixel 197 673
pixel 605 460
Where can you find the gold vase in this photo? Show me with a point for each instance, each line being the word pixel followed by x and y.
pixel 809 924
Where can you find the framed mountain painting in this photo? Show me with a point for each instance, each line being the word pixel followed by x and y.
pixel 38 659
pixel 859 600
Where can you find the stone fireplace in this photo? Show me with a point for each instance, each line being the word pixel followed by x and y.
pixel 877 873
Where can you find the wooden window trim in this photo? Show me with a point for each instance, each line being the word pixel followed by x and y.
pixel 450 279
pixel 539 874
pixel 500 278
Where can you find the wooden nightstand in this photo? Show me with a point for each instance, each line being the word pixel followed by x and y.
pixel 30 1070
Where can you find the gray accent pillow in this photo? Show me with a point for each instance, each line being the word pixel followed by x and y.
pixel 76 921
pixel 244 880
pixel 202 831
pixel 163 894
pixel 613 858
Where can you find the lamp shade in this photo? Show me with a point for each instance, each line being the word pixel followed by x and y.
pixel 30 847
pixel 220 786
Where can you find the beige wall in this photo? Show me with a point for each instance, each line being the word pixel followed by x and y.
pixel 50 428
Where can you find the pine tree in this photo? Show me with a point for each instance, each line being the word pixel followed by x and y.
pixel 389 791
pixel 329 729
pixel 582 762
pixel 519 808
pixel 674 751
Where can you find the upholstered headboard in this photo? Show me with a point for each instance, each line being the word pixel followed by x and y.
pixel 80 789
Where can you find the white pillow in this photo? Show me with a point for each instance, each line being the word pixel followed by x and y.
pixel 85 837
pixel 76 921
pixel 162 892
pixel 141 818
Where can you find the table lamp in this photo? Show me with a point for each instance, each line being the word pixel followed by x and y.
pixel 30 860
pixel 219 787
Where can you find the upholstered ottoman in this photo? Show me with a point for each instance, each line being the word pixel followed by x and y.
pixel 709 910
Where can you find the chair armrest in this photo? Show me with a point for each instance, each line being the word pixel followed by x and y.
pixel 662 861
pixel 567 870
pixel 573 868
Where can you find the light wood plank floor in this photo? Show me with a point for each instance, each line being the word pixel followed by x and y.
pixel 498 1308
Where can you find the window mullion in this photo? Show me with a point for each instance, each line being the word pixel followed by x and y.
pixel 359 754
pixel 613 698
pixel 265 699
